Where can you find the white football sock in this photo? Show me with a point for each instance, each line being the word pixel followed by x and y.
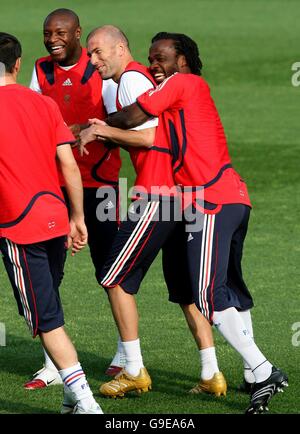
pixel 69 399
pixel 231 326
pixel 134 359
pixel 48 362
pixel 209 363
pixel 119 358
pixel 246 317
pixel 74 379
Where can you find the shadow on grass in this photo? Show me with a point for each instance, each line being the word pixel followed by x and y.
pixel 9 407
pixel 168 383
pixel 23 357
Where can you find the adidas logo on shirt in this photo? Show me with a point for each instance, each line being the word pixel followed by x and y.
pixel 67 82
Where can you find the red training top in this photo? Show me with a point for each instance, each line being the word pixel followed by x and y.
pixel 31 127
pixel 194 132
pixel 152 165
pixel 78 93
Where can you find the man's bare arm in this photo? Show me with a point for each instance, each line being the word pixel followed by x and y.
pixel 77 238
pixel 141 138
pixel 129 117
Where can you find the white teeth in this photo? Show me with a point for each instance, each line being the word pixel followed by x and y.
pixel 57 48
pixel 159 77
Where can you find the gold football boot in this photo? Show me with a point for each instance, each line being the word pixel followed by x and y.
pixel 124 382
pixel 216 385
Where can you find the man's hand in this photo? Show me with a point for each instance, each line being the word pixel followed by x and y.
pixel 76 129
pixel 95 121
pixel 89 135
pixel 78 236
pixel 86 136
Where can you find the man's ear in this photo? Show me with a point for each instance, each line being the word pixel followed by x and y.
pixel 121 48
pixel 182 63
pixel 17 66
pixel 78 32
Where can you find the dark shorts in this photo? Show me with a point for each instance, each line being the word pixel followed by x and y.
pixel 214 256
pixel 102 221
pixel 35 272
pixel 175 266
pixel 137 243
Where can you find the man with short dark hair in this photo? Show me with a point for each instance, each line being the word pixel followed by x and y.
pixel 34 220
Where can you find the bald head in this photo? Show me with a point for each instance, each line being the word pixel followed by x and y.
pixel 109 50
pixel 65 14
pixel 110 33
pixel 62 34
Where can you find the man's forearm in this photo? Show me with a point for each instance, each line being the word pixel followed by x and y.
pixel 73 185
pixel 140 138
pixel 129 117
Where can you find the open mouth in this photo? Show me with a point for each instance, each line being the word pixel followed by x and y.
pixel 56 49
pixel 159 76
pixel 100 68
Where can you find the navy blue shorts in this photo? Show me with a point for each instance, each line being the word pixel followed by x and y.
pixel 175 266
pixel 138 242
pixel 101 216
pixel 35 272
pixel 214 256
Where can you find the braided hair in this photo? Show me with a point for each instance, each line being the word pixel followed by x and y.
pixel 183 45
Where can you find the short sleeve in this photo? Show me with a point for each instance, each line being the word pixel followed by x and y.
pixel 109 95
pixel 166 95
pixel 34 84
pixel 132 85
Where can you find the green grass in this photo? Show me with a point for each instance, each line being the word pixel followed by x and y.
pixel 247 48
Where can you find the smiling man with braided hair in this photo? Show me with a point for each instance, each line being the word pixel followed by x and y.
pixel 201 163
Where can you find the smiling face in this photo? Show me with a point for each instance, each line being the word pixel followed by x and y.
pixel 106 55
pixel 62 39
pixel 163 59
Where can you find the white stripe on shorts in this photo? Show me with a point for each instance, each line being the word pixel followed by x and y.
pixel 205 262
pixel 13 253
pixel 131 243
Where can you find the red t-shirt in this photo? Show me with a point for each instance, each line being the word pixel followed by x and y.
pixel 31 127
pixel 78 93
pixel 195 134
pixel 152 165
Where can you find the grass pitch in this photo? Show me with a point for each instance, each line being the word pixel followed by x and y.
pixel 248 48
